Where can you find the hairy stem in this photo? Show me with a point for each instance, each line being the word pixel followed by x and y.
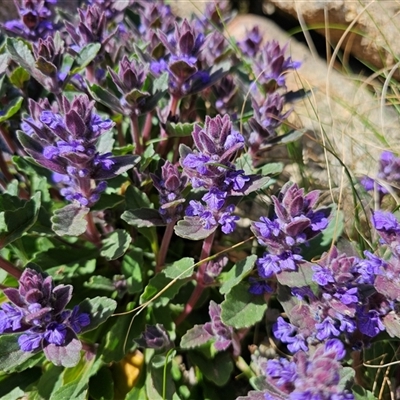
pixel 197 292
pixel 7 139
pixel 163 145
pixel 166 240
pixel 136 134
pixel 10 268
pixel 90 73
pixel 92 232
pixel 148 123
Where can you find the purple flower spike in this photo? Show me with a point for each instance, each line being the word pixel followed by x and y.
pixel 65 141
pixel 271 66
pixel 170 186
pixel 388 174
pixel 307 376
pixel 36 20
pixel 37 309
pixel 295 222
pixel 223 334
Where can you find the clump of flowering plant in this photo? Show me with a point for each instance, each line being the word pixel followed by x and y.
pixel 135 172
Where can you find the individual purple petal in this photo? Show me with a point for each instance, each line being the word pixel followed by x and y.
pixel 78 320
pixel 30 341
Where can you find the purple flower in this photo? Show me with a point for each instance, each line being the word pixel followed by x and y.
pixel 314 376
pixel 271 65
pixel 283 330
pixel 326 329
pixel 36 20
pixel 37 309
pixel 271 264
pixel 223 334
pixel 259 287
pixel 295 222
pixel 369 322
pixel 388 174
pixel 170 186
pixel 65 142
pixel 154 337
pixel 250 46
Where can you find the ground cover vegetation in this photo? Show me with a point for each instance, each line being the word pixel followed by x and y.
pixel 135 149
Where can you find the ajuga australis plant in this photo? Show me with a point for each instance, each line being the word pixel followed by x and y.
pixel 149 248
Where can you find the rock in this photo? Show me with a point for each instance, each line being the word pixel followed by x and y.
pixel 373 36
pixel 340 114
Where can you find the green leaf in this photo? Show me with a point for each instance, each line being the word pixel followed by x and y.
pixel 361 394
pixel 236 274
pixel 195 337
pixel 180 269
pixel 115 245
pixel 101 283
pixel 101 385
pixel 4 61
pixel 179 129
pixel 14 223
pixel 12 108
pixel 19 76
pixel 70 220
pixel 106 142
pixel 156 284
pixel 271 169
pixel 72 260
pixel 192 228
pixel 158 386
pixel 50 381
pixel 132 265
pixel 301 277
pixel 108 200
pixel 135 198
pixel 143 218
pixel 15 386
pixel 20 53
pixel 105 97
pixel 123 330
pixel 241 309
pixel 217 370
pixel 69 391
pixel 11 356
pixel 99 310
pixel 86 56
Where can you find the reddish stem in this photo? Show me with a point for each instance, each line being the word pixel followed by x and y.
pixel 163 145
pixel 198 290
pixel 166 240
pixel 10 268
pixel 136 134
pixel 92 232
pixel 148 123
pixel 9 142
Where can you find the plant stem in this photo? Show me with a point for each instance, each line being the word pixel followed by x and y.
pixel 136 134
pixel 92 231
pixel 4 168
pixel 10 268
pixel 90 73
pixel 198 290
pixel 162 146
pixel 166 240
pixel 6 137
pixel 148 123
pixel 244 367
